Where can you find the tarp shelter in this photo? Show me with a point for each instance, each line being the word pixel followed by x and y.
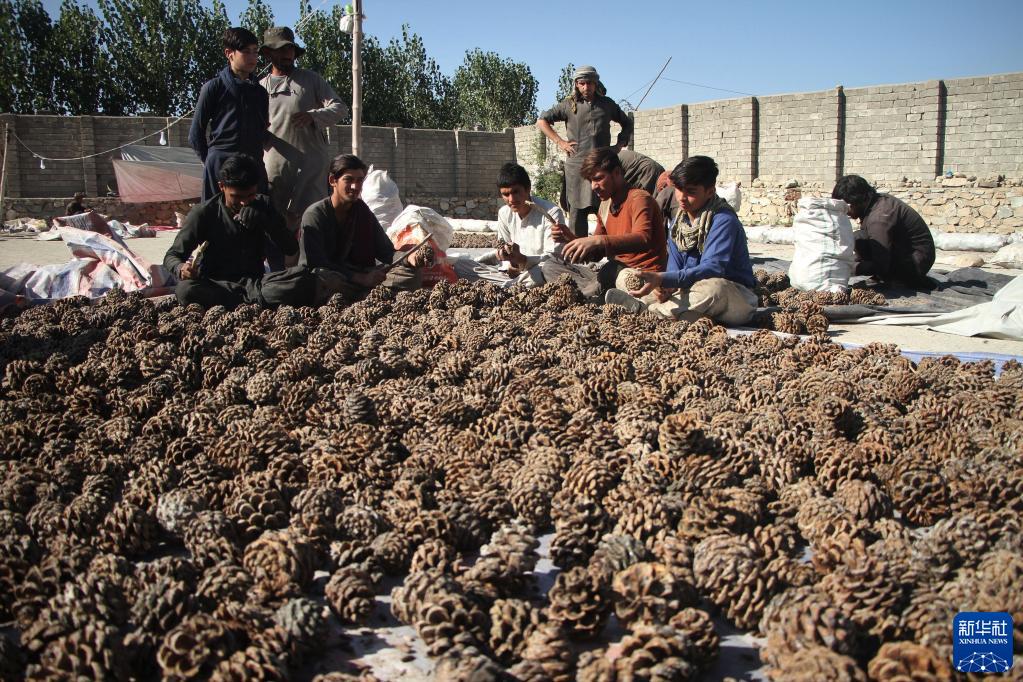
pixel 158 174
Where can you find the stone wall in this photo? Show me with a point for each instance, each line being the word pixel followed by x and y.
pixel 155 213
pixel 949 205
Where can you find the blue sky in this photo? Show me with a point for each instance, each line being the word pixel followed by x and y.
pixel 741 46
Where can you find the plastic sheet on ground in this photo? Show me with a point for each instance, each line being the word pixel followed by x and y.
pixel 100 264
pixel 1000 318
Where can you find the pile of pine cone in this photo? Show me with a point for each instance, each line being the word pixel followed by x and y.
pixel 802 311
pixel 474 240
pixel 202 494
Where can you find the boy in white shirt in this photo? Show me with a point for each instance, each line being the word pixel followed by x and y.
pixel 524 232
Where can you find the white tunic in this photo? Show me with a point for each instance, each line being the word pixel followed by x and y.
pixel 532 233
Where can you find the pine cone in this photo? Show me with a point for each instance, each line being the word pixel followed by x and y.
pixel 210 537
pixel 93 652
pixel 651 652
pixel 505 565
pixel 698 626
pixel 466 663
pixel 301 627
pixel 816 663
pixel 161 605
pixel 801 618
pixel 350 593
pixel 512 621
pixel 731 574
pixel 579 603
pixel 392 552
pixel 252 663
pixel 195 647
pixel 864 500
pixel 256 508
pixel 280 562
pixel 419 588
pixel 12 660
pixel 577 533
pixel 920 494
pixel 907 661
pixel 449 620
pixel 615 553
pixel 433 554
pixel 129 530
pixel 683 434
pixel 223 582
pixel 869 593
pixel 648 593
pixel 531 494
pixel 548 656
pixel 318 512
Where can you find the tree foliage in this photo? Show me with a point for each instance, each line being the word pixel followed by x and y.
pixel 566 84
pixel 135 56
pixel 493 92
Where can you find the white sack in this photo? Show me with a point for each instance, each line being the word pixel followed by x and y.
pixel 768 234
pixel 950 241
pixel 473 225
pixel 1010 255
pixel 429 220
pixel 381 195
pixel 824 256
pixel 732 194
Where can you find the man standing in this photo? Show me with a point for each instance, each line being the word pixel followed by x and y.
pixel 640 171
pixel 342 241
pixel 893 242
pixel 231 229
pixel 630 229
pixel 709 272
pixel 587 115
pixel 235 108
pixel 302 105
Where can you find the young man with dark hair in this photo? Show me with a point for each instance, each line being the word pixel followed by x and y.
pixel 587 114
pixel 630 229
pixel 893 242
pixel 235 108
pixel 233 227
pixel 523 230
pixel 709 272
pixel 302 106
pixel 342 241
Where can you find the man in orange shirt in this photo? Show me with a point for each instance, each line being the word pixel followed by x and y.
pixel 630 228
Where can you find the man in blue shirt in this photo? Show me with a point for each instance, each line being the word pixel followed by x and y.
pixel 709 272
pixel 235 108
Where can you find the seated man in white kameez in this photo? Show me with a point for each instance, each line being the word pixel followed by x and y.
pixel 525 241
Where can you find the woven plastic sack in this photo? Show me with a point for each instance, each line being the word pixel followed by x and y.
pixel 381 195
pixel 411 228
pixel 823 257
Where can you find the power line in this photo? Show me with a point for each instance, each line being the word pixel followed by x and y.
pixel 709 87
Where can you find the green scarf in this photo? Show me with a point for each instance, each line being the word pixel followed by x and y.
pixel 693 235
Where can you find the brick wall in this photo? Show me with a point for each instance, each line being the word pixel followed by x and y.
pixel 891 131
pixel 983 125
pixel 726 131
pixel 798 136
pixel 661 134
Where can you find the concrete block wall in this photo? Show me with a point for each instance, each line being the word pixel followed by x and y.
pixel 798 136
pixel 726 131
pixel 983 125
pixel 661 134
pixel 891 131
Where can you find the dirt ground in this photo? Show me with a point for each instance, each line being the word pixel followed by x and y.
pixel 24 248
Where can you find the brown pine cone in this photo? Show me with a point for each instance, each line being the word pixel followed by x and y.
pixel 223 582
pixel 449 620
pixel 93 652
pixel 211 537
pixel 870 593
pixel 318 512
pixel 161 605
pixel 682 434
pixel 577 533
pixel 650 652
pixel 252 663
pixel 408 599
pixel 129 530
pixel 175 508
pixel 548 656
pixel 434 554
pixel 800 618
pixel 512 621
pixel 920 494
pixel 258 507
pixel 195 647
pixel 392 552
pixel 350 593
pixel 466 663
pixel 616 553
pixel 907 661
pixel 301 626
pixel 816 663
pixel 731 574
pixel 698 626
pixel 281 563
pixel 864 500
pixel 579 603
pixel 648 593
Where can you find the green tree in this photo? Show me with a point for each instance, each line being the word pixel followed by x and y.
pixel 11 57
pixel 328 51
pixel 494 92
pixel 161 52
pixel 36 69
pixel 423 95
pixel 566 84
pixel 257 17
pixel 81 60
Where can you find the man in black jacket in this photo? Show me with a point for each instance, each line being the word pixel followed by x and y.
pixel 893 242
pixel 231 229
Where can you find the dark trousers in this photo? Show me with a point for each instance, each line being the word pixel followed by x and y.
pixel 294 286
pixel 577 221
pixel 906 267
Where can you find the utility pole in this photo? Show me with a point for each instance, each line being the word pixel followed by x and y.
pixel 357 79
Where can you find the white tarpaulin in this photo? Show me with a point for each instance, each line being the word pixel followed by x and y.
pixel 1002 318
pixel 147 174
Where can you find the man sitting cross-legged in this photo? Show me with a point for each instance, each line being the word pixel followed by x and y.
pixel 709 271
pixel 233 226
pixel 342 241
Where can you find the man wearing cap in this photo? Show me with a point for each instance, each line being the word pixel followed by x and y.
pixel 302 106
pixel 587 114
